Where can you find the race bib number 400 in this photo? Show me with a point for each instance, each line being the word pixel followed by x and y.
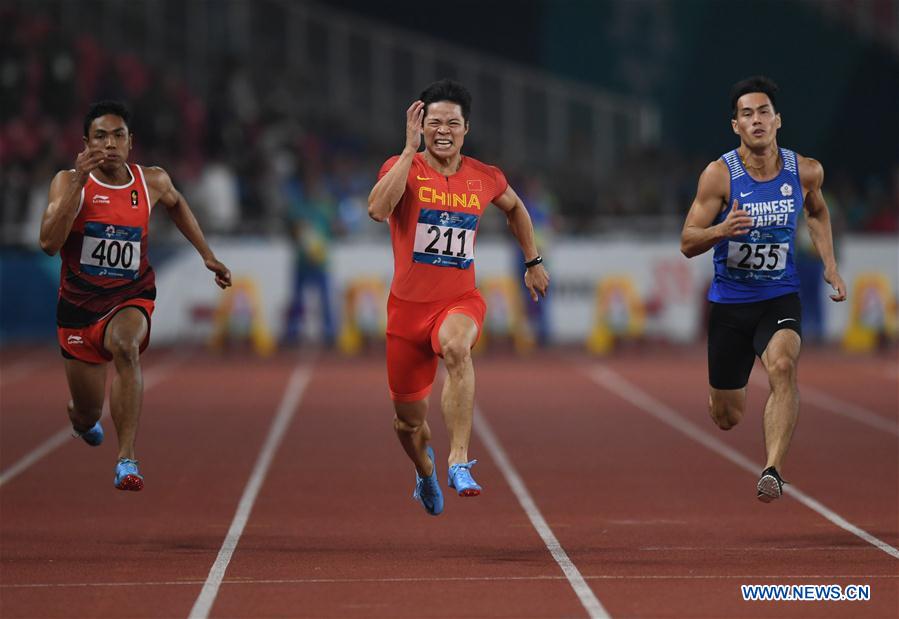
pixel 758 258
pixel 110 251
pixel 444 238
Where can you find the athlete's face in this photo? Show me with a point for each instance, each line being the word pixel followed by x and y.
pixel 444 129
pixel 756 122
pixel 109 134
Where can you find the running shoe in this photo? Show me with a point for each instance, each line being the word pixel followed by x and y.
pixel 460 478
pixel 127 476
pixel 427 489
pixel 92 437
pixel 770 486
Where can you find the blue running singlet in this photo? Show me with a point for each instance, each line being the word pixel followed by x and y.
pixel 759 265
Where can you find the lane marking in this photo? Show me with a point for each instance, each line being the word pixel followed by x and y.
pixel 440 579
pixel 830 404
pixel 584 593
pixel 614 382
pixel 289 404
pixel 152 377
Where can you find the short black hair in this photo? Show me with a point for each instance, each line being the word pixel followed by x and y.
pixel 102 108
pixel 448 90
pixel 756 83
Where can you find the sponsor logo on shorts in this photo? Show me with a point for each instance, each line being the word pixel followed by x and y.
pixel 75 339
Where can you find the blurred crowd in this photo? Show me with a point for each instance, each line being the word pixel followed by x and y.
pixel 250 166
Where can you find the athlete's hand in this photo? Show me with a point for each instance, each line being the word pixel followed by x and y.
pixel 537 280
pixel 87 161
pixel 222 273
pixel 414 116
pixel 836 282
pixel 737 222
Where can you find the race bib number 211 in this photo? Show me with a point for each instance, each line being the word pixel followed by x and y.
pixel 445 238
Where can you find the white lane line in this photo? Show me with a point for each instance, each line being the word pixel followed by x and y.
pixel 340 581
pixel 824 401
pixel 152 377
pixel 289 403
pixel 617 384
pixel 583 591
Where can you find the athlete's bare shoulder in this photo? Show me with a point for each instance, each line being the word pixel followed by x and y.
pixel 810 170
pixel 715 179
pixel 156 176
pixel 62 181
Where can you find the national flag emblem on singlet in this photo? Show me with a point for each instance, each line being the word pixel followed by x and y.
pixel 445 238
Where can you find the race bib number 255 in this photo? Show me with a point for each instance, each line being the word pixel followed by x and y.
pixel 111 251
pixel 445 238
pixel 760 257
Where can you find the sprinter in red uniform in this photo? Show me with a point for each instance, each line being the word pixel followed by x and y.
pixel 98 218
pixel 434 201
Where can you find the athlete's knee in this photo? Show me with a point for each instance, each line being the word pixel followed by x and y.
pixel 782 370
pixel 725 414
pixel 407 426
pixel 456 352
pixel 124 350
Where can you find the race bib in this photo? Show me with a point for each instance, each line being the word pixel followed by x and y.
pixel 111 251
pixel 444 238
pixel 757 260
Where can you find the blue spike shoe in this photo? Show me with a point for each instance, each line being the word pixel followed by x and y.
pixel 427 489
pixel 92 437
pixel 461 480
pixel 127 475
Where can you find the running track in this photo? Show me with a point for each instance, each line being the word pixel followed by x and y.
pixel 276 489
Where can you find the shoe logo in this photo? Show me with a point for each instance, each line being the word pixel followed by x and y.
pixel 423 178
pixel 743 195
pixel 786 320
pixel 75 339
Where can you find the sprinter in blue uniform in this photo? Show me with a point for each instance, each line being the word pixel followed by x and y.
pixel 746 208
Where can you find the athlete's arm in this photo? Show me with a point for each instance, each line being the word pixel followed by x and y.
pixel 163 191
pixel 535 278
pixel 386 193
pixel 65 196
pixel 818 217
pixel 699 235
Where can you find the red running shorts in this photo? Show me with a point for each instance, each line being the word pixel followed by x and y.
pixel 86 343
pixel 413 344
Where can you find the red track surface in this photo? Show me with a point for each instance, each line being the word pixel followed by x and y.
pixel 657 524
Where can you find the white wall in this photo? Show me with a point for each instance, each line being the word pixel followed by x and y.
pixel 660 274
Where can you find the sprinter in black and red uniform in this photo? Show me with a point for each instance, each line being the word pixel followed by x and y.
pixel 98 218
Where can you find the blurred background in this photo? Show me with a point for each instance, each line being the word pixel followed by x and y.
pixel 273 118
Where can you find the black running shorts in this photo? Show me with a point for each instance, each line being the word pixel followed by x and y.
pixel 738 332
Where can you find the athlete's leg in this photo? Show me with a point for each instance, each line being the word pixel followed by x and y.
pixel 457 335
pixel 414 433
pixel 87 384
pixel 781 359
pixel 731 358
pixel 726 406
pixel 125 333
